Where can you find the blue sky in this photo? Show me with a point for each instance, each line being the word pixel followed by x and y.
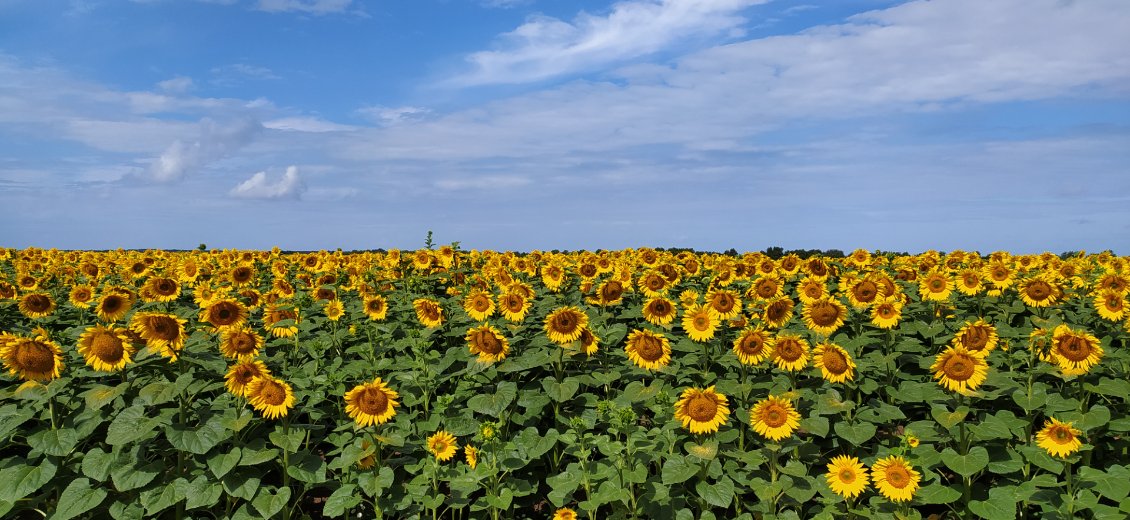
pixel 554 124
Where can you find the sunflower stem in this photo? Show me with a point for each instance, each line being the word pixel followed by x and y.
pixel 286 457
pixel 51 408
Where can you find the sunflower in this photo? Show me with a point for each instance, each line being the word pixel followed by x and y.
pixel 442 444
pixel 1111 305
pixel 724 303
pixel 105 349
pixel 478 305
pixel 371 403
pixel 1060 439
pixel 774 418
pixel 790 352
pixel 935 286
pixel 162 332
pixel 241 374
pixel 886 313
pixel 766 287
pixel 1075 351
pixel 564 513
pixel 824 316
pixel 81 296
pixel 846 476
pixel 280 322
pixel 564 325
pixel 659 311
pixel 778 312
pixel 471 455
pixel 32 359
pixel 609 293
pixel 376 307
pixel 271 397
pixel 113 305
pixel 978 337
pixel 652 284
pixel 515 305
pixel 590 342
pixel 553 277
pixel 969 282
pixel 834 362
pixel 1039 291
pixel 36 305
pixel 240 343
pixel 752 346
pixel 895 478
pixel 702 411
pixel 960 370
pixel 224 312
pixel 161 289
pixel 241 275
pixel 700 322
pixel 488 343
pixel 811 289
pixel 429 312
pixel 334 310
pixel 648 350
pixel 368 461
pixel 7 291
pixel 863 293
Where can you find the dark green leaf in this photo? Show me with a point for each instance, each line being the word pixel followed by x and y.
pixel 968 464
pixel 676 470
pixel 856 434
pixel 341 501
pixel 269 504
pixel 20 481
pixel 719 494
pixel 96 464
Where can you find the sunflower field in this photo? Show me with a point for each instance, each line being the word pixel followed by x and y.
pixel 443 383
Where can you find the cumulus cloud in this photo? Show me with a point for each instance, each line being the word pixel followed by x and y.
pixel 306 6
pixel 258 187
pixel 215 142
pixel 546 47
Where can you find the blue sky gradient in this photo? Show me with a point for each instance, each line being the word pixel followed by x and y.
pixel 551 124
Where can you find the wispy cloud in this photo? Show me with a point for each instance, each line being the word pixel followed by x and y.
pixel 318 7
pixel 388 116
pixel 176 85
pixel 237 73
pixel 214 142
pixel 259 187
pixel 546 47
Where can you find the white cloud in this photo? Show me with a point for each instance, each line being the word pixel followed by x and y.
pixel 176 85
pixel 483 182
pixel 388 116
pixel 306 124
pixel 215 142
pixel 307 6
pixel 236 73
pixel 258 187
pixel 546 47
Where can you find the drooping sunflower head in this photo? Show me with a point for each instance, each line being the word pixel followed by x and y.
pixel 240 343
pixel 471 455
pixel 443 445
pixel 281 322
pixel 978 337
pixel 106 349
pixel 825 315
pixel 486 342
pixel 429 312
pixel 371 403
pixel 37 358
pixel 752 346
pixel 702 411
pixel 774 418
pixel 163 332
pixel 648 350
pixel 834 362
pixel 271 397
pixel 564 325
pixel 37 305
pixel 1060 439
pixel 700 322
pixel 790 352
pixel 590 342
pixel 959 370
pixel 895 478
pixel 847 476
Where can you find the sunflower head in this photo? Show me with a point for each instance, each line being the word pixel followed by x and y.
pixel 36 305
pixel 895 478
pixel 824 315
pixel 790 352
pixel 1075 351
pixel 429 312
pixel 35 358
pixel 959 370
pixel 752 346
pixel 106 349
pixel 240 376
pixel 846 476
pixel 488 343
pixel 700 322
pixel 371 403
pixel 648 350
pixel 702 411
pixel 479 305
pixel 564 325
pixel 978 337
pixel 443 445
pixel 163 332
pixel 774 418
pixel 376 307
pixel 1059 438
pixel 240 343
pixel 834 362
pixel 271 397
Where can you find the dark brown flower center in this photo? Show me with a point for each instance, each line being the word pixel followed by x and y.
pixel 825 314
pixel 775 415
pixel 649 348
pixel 34 356
pixel 976 337
pixel 1074 348
pixel 272 393
pixel 723 302
pixel 37 302
pixel 702 408
pixel 959 367
pixel 865 291
pixel 107 347
pixel 834 361
pixel 897 476
pixel 486 342
pixel 372 401
pixel 243 343
pixel 1038 290
pixel 788 349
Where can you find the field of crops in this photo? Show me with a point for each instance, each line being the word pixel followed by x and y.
pixel 443 383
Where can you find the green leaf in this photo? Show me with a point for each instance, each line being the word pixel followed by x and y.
pixel 704 451
pixel 719 494
pixel 157 393
pixel 948 419
pixel 195 440
pixel 129 425
pixel 160 498
pixel 1119 388
pixel 562 391
pixel 968 464
pixel 77 499
pixel 268 504
pixel 1001 504
pixel 503 500
pixel 101 395
pixel 255 453
pixel 289 442
pixel 20 481
pixel 307 467
pixel 221 463
pixel 54 442
pixel 1030 402
pixel 241 484
pixel 201 492
pixel 856 434
pixel 937 494
pixel 1097 416
pixel 127 475
pixel 1040 458
pixel 341 500
pixel 1114 483
pixel 493 404
pixel 815 425
pixel 96 464
pixel 676 470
